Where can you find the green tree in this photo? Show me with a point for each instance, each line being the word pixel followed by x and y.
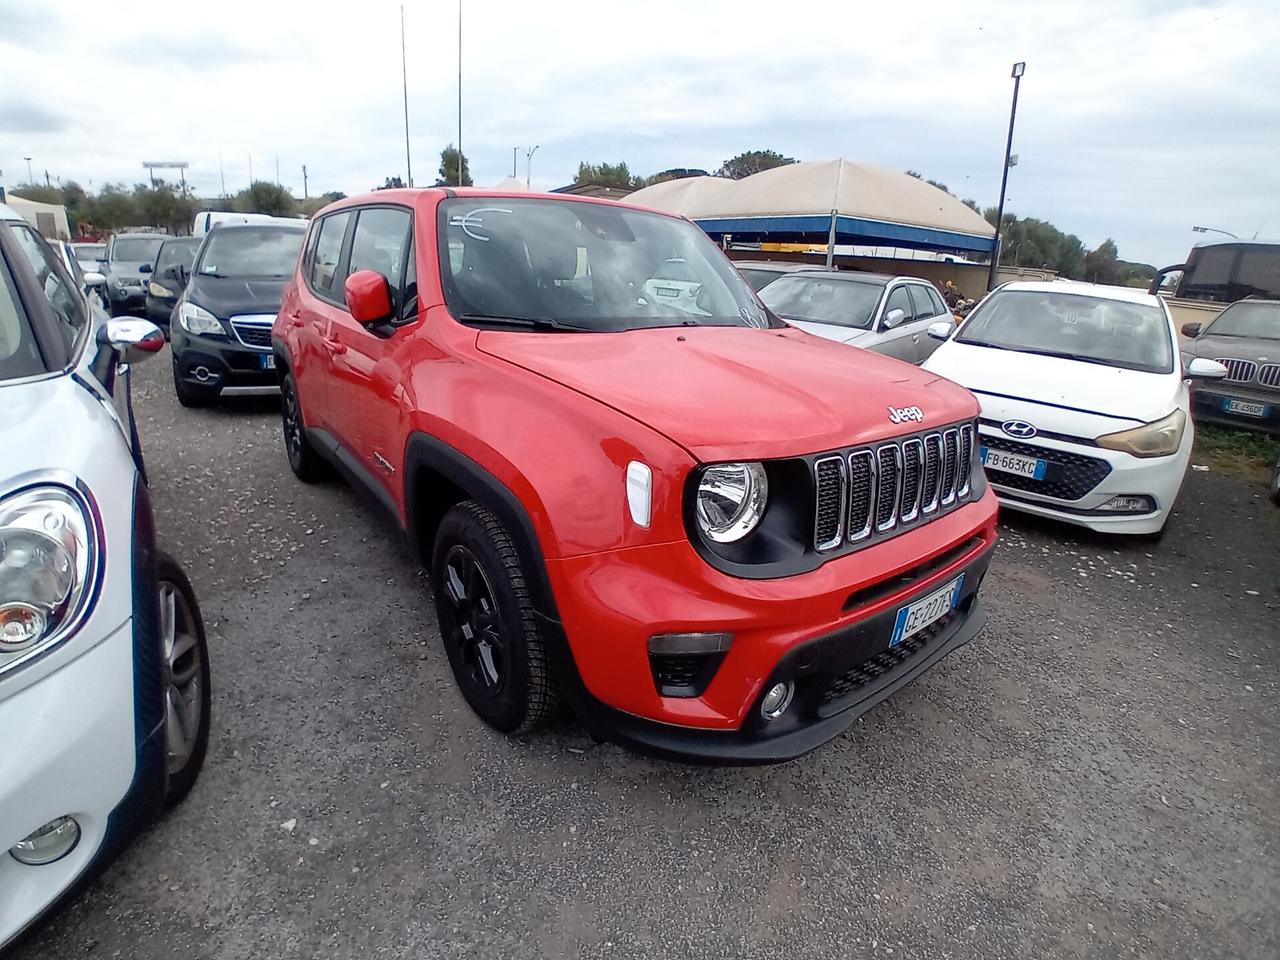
pixel 111 208
pixel 1100 264
pixel 753 161
pixel 162 206
pixel 391 183
pixel 449 168
pixel 262 196
pixel 314 205
pixel 606 175
pixel 1036 243
pixel 674 173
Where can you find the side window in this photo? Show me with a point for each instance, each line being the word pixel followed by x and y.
pixel 379 244
pixel 323 272
pixel 899 300
pixel 924 305
pixel 939 307
pixel 68 305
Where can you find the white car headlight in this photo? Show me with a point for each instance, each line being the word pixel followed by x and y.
pixel 731 500
pixel 1159 439
pixel 157 290
pixel 47 565
pixel 196 319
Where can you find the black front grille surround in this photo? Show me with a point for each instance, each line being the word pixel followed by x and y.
pixel 893 484
pixel 254 334
pixel 844 687
pixel 1069 476
pixel 1269 375
pixel 1238 371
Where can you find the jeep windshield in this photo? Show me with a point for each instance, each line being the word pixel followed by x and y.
pixel 1114 333
pixel 574 266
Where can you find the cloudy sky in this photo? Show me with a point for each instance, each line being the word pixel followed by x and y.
pixel 1136 119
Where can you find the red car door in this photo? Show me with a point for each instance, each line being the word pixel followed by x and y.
pixel 364 379
pixel 309 310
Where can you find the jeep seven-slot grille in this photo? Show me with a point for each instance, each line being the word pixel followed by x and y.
pixel 890 484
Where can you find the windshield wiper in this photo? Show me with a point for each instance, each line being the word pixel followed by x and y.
pixel 1069 356
pixel 533 323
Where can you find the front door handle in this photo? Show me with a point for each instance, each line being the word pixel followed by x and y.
pixel 295 320
pixel 334 347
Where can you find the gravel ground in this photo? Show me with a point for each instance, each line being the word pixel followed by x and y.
pixel 1096 776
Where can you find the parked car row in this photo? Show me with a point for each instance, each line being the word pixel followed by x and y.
pixel 702 517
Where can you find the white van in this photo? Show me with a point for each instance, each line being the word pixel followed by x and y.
pixel 206 220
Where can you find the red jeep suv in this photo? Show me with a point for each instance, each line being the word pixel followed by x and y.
pixel 715 536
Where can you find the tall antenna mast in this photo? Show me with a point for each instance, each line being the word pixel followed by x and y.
pixel 404 76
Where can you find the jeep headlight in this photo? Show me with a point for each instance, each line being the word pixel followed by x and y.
pixel 196 319
pixel 731 500
pixel 1159 439
pixel 47 564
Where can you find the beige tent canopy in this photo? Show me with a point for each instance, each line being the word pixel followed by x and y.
pixel 868 204
pixel 511 185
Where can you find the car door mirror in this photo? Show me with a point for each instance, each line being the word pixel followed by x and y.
pixel 941 329
pixel 894 318
pixel 1191 330
pixel 94 279
pixel 368 297
pixel 1202 368
pixel 131 339
pixel 145 268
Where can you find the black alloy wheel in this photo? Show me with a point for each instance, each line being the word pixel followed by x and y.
pixel 488 623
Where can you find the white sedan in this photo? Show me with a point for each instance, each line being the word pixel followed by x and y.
pixel 1085 407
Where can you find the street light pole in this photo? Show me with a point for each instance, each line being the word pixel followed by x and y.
pixel 1018 69
pixel 404 80
pixel 28 159
pixel 528 166
pixel 1215 230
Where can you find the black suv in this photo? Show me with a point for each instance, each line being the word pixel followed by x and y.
pixel 221 336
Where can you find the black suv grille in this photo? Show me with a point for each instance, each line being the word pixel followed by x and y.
pixel 253 334
pixel 1069 476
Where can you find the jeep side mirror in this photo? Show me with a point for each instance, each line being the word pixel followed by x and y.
pixel 368 297
pixel 1191 330
pixel 1202 368
pixel 941 330
pixel 132 339
pixel 894 318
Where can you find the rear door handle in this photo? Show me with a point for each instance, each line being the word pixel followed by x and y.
pixel 334 347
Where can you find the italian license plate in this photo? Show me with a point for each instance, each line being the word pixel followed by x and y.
pixel 268 361
pixel 1014 463
pixel 1245 407
pixel 914 617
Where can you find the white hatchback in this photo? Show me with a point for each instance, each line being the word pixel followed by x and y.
pixel 104 691
pixel 1085 407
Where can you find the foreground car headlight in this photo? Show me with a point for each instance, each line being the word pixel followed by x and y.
pixel 731 500
pixel 196 319
pixel 1159 439
pixel 157 290
pixel 47 563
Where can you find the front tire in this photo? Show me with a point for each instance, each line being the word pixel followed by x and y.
pixel 304 460
pixel 186 676
pixel 487 621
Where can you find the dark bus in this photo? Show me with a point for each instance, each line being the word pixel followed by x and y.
pixel 1224 271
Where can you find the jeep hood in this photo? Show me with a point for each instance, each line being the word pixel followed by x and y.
pixel 732 393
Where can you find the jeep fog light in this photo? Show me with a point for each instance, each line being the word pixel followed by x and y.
pixel 777 699
pixel 51 842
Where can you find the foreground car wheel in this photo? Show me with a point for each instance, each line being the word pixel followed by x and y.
pixel 305 462
pixel 186 677
pixel 487 621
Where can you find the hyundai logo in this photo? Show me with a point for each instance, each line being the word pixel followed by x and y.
pixel 1018 428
